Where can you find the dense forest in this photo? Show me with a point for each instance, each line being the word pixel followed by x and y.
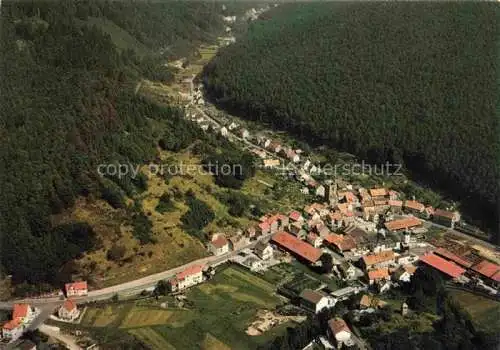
pixel 401 82
pixel 68 105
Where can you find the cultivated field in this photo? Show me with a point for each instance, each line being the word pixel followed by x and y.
pixel 216 314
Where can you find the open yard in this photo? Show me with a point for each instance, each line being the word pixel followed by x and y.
pixel 483 311
pixel 216 314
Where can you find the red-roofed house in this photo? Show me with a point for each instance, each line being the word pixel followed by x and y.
pixel 23 313
pixel 378 193
pixel 296 216
pixel 340 243
pixel 445 217
pixel 414 207
pixel 297 247
pixel 403 224
pixel 68 311
pixel 219 245
pixel 382 259
pixel 377 275
pixel 444 253
pixel 446 267
pixel 263 228
pixel 339 332
pixel 12 330
pixel 76 289
pixel 395 206
pixel 187 278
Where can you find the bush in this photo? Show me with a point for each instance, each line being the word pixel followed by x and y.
pixel 115 253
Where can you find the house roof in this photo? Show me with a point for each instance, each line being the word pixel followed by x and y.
pixel 366 300
pixel 338 325
pixel 347 243
pixel 393 193
pixel 414 205
pixel 334 238
pixel 381 257
pixel 410 268
pixel 295 215
pixel 486 268
pixel 69 305
pixel 12 324
pixel 402 223
pixel 496 276
pixel 445 266
pixel 295 245
pixel 311 296
pixel 395 203
pixel 455 258
pixel 444 213
pixel 219 241
pixel 20 311
pixel 264 226
pixel 81 285
pixel 378 192
pixel 378 274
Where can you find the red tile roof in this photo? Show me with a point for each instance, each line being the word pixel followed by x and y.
pixel 445 266
pixel 192 270
pixel 219 241
pixel 69 305
pixel 378 274
pixel 395 203
pixel 455 258
pixel 496 276
pixel 264 226
pixel 414 205
pixel 344 243
pixel 12 324
pixel 296 246
pixel 378 192
pixel 402 223
pixel 81 285
pixel 338 325
pixel 20 311
pixel 486 268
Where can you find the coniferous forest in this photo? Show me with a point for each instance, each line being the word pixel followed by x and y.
pixel 411 83
pixel 68 104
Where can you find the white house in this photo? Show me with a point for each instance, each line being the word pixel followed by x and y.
pixel 404 273
pixel 339 332
pixel 315 301
pixel 76 289
pixel 263 250
pixel 306 165
pixel 187 278
pixel 224 131
pixel 12 330
pixel 68 311
pixel 23 313
pixel 219 245
pixel 320 191
pixel 232 126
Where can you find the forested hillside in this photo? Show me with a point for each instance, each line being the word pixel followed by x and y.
pixel 69 69
pixel 404 82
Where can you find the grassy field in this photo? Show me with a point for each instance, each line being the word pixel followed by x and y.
pixel 483 311
pixel 217 314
